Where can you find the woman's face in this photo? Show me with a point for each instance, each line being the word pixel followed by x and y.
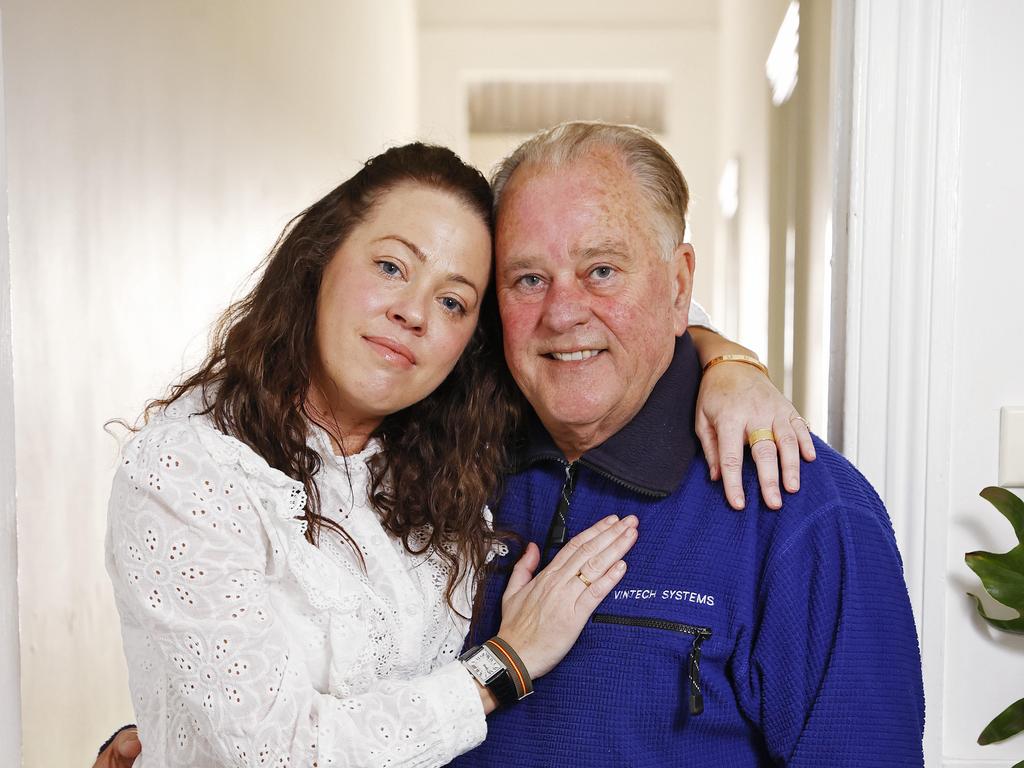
pixel 398 303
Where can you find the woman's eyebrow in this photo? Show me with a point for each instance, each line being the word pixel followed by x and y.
pixel 410 245
pixel 453 277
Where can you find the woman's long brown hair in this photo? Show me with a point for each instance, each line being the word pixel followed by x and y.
pixel 443 457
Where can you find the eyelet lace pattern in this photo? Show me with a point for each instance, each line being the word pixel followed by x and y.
pixel 246 645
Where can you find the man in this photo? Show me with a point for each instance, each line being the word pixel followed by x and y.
pixel 733 640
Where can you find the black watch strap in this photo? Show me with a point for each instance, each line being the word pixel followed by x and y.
pixel 492 667
pixel 504 689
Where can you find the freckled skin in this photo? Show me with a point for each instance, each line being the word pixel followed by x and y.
pixel 578 268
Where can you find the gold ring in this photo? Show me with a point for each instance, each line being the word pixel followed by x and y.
pixel 760 434
pixel 584 579
pixel 798 417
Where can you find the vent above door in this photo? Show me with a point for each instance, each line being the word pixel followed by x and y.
pixel 509 106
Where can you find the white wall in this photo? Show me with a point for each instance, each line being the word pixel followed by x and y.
pixel 10 676
pixel 155 150
pixel 460 38
pixel 984 670
pixel 933 336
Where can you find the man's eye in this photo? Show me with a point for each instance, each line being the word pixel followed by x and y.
pixel 602 273
pixel 389 268
pixel 529 281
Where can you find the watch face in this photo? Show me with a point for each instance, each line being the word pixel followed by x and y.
pixel 484 665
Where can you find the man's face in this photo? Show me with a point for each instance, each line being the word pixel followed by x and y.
pixel 590 308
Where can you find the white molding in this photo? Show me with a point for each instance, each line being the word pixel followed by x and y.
pixel 10 668
pixel 902 249
pixel 935 510
pixel 841 86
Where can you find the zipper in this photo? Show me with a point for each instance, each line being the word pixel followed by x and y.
pixel 623 483
pixel 700 634
pixel 559 530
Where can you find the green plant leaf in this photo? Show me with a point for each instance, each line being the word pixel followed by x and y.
pixel 1018 765
pixel 1015 626
pixel 1009 504
pixel 1003 574
pixel 1007 723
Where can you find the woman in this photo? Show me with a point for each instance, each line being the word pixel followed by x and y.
pixel 296 533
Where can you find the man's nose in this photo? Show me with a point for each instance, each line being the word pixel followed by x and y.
pixel 565 306
pixel 409 310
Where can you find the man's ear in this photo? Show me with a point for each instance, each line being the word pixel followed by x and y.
pixel 683 261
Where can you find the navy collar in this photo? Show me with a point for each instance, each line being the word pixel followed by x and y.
pixel 650 455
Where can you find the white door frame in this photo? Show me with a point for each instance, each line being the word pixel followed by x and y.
pixel 899 124
pixel 10 675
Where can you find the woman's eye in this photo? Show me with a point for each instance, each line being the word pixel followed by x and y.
pixel 453 305
pixel 602 273
pixel 389 268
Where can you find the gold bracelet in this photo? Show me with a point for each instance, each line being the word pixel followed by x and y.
pixel 746 359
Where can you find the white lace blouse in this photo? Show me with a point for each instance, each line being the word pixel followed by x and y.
pixel 248 646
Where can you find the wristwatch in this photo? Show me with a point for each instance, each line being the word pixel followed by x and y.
pixel 499 675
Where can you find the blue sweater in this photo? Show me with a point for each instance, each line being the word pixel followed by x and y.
pixel 735 638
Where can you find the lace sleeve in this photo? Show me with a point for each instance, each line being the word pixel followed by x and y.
pixel 192 557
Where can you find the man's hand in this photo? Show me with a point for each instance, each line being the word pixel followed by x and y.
pixel 735 400
pixel 121 752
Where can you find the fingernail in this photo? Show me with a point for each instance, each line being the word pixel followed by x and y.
pixel 738 501
pixel 610 519
pixel 620 566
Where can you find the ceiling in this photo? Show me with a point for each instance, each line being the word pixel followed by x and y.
pixel 578 13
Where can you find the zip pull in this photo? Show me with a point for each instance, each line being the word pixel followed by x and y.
pixel 558 533
pixel 693 672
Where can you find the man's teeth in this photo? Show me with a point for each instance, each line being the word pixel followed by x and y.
pixel 584 354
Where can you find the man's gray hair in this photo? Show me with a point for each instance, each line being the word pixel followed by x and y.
pixel 661 182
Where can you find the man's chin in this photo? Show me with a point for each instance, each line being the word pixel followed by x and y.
pixel 580 425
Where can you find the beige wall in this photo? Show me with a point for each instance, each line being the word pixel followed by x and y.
pixel 813 216
pixel 785 192
pixel 678 39
pixel 10 674
pixel 154 149
pixel 746 34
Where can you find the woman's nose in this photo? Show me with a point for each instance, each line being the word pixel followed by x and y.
pixel 410 312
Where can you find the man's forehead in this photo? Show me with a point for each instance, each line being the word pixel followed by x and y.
pixel 599 166
pixel 597 188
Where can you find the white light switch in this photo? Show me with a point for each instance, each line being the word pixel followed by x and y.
pixel 1011 447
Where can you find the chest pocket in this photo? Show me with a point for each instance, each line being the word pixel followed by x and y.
pixel 695 635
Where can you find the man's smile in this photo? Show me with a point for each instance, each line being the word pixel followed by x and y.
pixel 576 355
